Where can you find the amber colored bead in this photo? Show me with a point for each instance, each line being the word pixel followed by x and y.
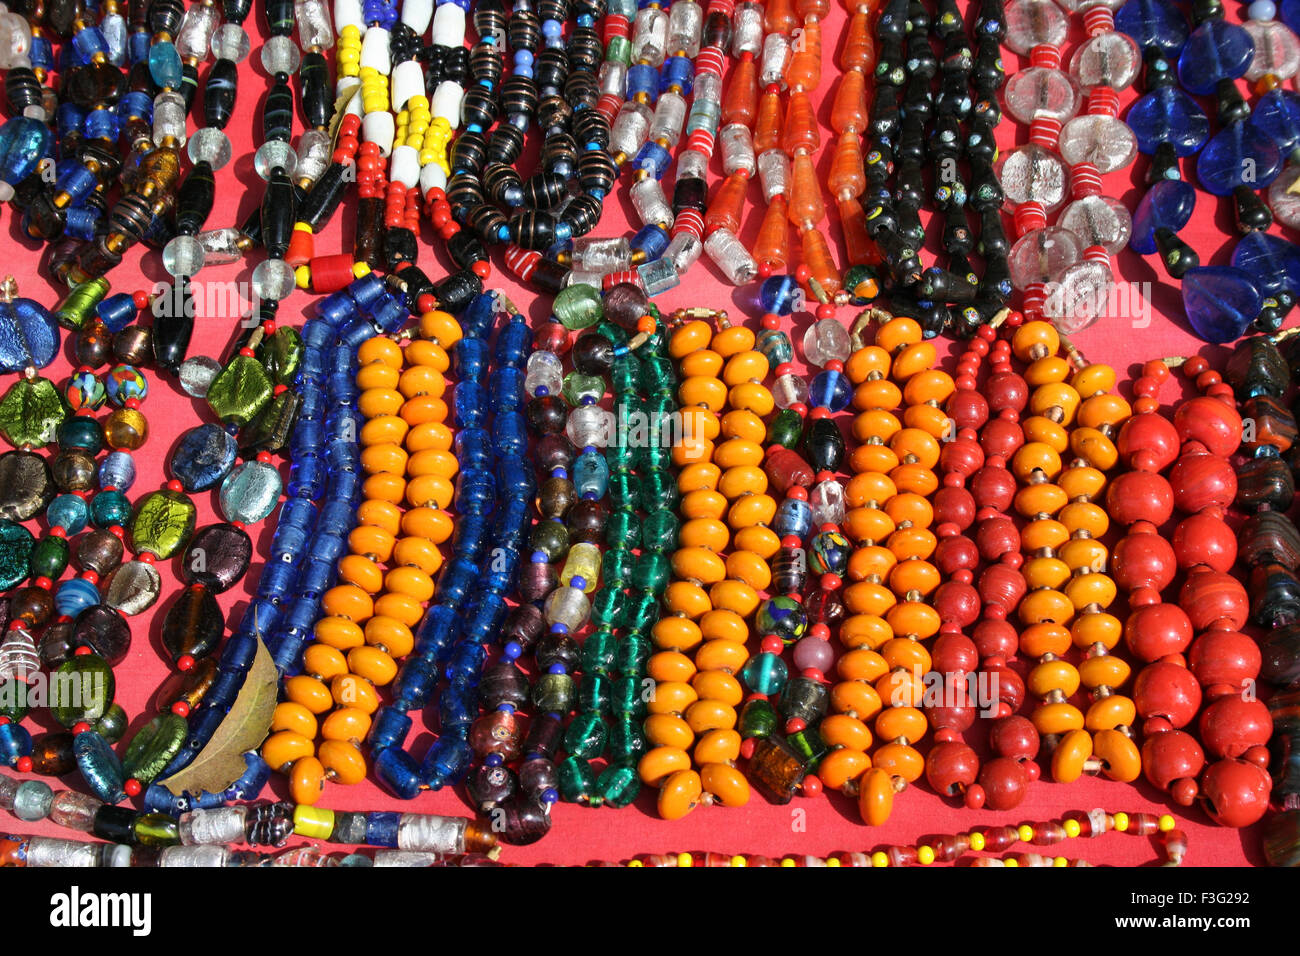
pixel 717 746
pixel 1081 481
pixel 324 662
pixel 306 780
pixel 1103 629
pixel 1048 676
pixel 346 723
pixel 849 119
pixel 733 340
pixel 772 245
pixel 726 784
pixel 689 338
pixel 899 760
pixel 685 597
pixel 703 503
pixel 1119 755
pixel 377 376
pixel 760 540
pixel 859 53
pixel 913 359
pixel 817 257
pixel 1110 712
pixel 779 16
pixel 661 762
pixel 875 424
pixel 933 385
pixel 909 507
pixel 125 429
pixel 1033 340
pixel 400 607
pixel 339 632
pixel 380 351
pixel 390 635
pixel 721 655
pixel 875 796
pixel 349 690
pixel 864 630
pixel 292 716
pixel 385 487
pixel 806 208
pixel 704 533
pixel 1057 718
pixel 768 126
pixel 679 794
pixel 859 248
pixel 676 633
pixel 432 524
pixel 877 393
pixel 668 730
pixel 1071 754
pixel 371 541
pixel 440 327
pixel 865 362
pixel 342 761
pixel 281 749
pixel 432 354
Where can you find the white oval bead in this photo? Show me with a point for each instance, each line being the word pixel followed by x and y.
pixel 374 50
pixel 379 128
pixel 449 25
pixel 404 167
pixel 347 13
pixel 446 102
pixel 408 81
pixel 432 177
pixel 416 14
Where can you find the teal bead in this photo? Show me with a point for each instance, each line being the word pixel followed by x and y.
pixel 659 491
pixel 598 653
pixel 585 736
pixel 765 674
pixel 641 610
pixel 618 784
pixel 627 740
pixel 633 652
pixel 620 457
pixel 625 377
pixel 165 65
pixel 594 693
pixel 658 373
pixel 652 571
pixel 617 566
pixel 576 778
pixel 16 545
pixel 775 346
pixel 109 509
pixel 69 512
pixel 659 531
pixel 623 529
pixel 99 767
pixel 49 558
pixel 81 431
pixel 607 608
pixel 630 695
pixel 625 490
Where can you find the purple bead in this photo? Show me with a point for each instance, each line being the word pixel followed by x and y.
pixel 813 653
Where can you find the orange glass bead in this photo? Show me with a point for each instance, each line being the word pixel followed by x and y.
pixel 849 118
pixel 861 664
pixel 898 332
pixel 280 750
pixel 869 489
pixel 675 633
pixel 295 717
pixel 661 762
pixel 806 206
pixel 699 476
pixel 705 715
pixel 692 336
pixel 779 16
pixel 342 761
pixel 864 630
pixel 725 206
pixel 740 99
pixel 768 126
pixel 762 541
pixel 859 54
pixel 899 760
pixel 842 766
pixel 877 393
pixel 857 698
pixel 817 257
pixel 668 730
pixel 875 423
pixel 704 362
pixel 875 797
pixel 859 248
pixel 1118 753
pixel 346 723
pixel 871 561
pixel 873 457
pixel 772 245
pixel 670 666
pixel 704 533
pixel 680 794
pixel 864 361
pixel 306 781
pixel 724 782
pixel 390 635
pixel 841 730
pixel 804 71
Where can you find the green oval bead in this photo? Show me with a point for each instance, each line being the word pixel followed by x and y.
pixel 619 456
pixel 607 608
pixel 652 571
pixel 240 390
pixel 82 689
pixel 659 491
pixel 16 546
pixel 578 306
pixel 81 431
pixel 576 778
pixel 156 829
pixel 808 744
pixel 625 490
pixel 618 784
pixel 617 565
pixel 154 746
pixel 585 736
pixel 758 718
pixel 554 693
pixel 113 724
pixel 49 558
pixel 598 652
pixel 785 429
pixel 163 523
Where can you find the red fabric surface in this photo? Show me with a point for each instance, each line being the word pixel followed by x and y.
pixel 816 826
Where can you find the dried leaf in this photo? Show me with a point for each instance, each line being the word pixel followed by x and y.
pixel 347 90
pixel 221 762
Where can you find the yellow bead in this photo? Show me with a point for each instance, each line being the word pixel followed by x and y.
pixel 1121 822
pixel 832 862
pixel 787 862
pixel 635 863
pixel 1026 832
pixel 1060 861
pixel 1166 822
pixel 925 855
pixel 977 841
pixel 1010 862
pixel 738 861
pixel 1072 828
pixel 879 858
pixel 683 859
pixel 313 822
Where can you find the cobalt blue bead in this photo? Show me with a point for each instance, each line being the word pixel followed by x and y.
pixel 89 41
pixel 24 142
pixel 469 405
pixel 15 742
pixel 306 478
pixel 793 517
pixel 510 435
pixel 158 799
pixel 514 478
pixel 679 71
pixel 368 291
pixel 652 240
pixel 514 343
pixel 1153 23
pixel 389 315
pixel 277 578
pixel 1289 12
pixel 135 105
pixel 416 682
pixel 507 389
pixel 1239 154
pixel 479 316
pixel 456 580
pixel 389 729
pixel 1271 261
pixel 68 119
pixel 469 360
pixel 1277 116
pixel 77 181
pixel 1220 302
pixel 398 773
pixel 117 470
pixel 381 828
pixel 643 78
pixel 317 576
pixel 117 311
pixel 137 45
pixel 203 457
pixel 82 223
pixel 829 389
pixel 475 491
pixel 102 124
pixel 251 783
pixel 653 158
pixel 1168 115
pixel 69 512
pixel 446 763
pixel 1215 51
pixel 1166 205
pixel 474 448
pixel 29 335
pixel 780 295
pixel 332 313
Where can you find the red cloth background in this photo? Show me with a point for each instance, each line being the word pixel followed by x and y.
pixel 817 826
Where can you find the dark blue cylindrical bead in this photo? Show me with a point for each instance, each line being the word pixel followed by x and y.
pixel 398 772
pixel 381 828
pixel 513 344
pixel 389 729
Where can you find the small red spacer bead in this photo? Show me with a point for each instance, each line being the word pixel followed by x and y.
pixel 58 531
pixel 812 785
pixel 133 787
pixel 426 303
pixel 175 485
pixel 80 727
pixel 43 583
pixel 83 650
pixel 820 412
pixel 800 409
pixel 771 644
pixel 23 764
pixel 185 662
pixel 747 747
pixel 482 268
pixel 146 557
pixel 826 310
pixel 264 457
pixel 181 708
pixel 795 724
pixel 140 299
pixel 246 352
pixel 770 320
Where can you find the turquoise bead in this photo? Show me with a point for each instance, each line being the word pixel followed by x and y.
pixel 69 512
pixel 165 65
pixel 250 492
pixel 109 508
pixel 765 674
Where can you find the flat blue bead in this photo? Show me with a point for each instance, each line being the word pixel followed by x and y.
pixel 1153 23
pixel 29 335
pixel 1277 116
pixel 1166 205
pixel 1220 302
pixel 1238 155
pixel 203 457
pixel 99 766
pixel 1215 51
pixel 1271 261
pixel 250 492
pixel 1168 115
